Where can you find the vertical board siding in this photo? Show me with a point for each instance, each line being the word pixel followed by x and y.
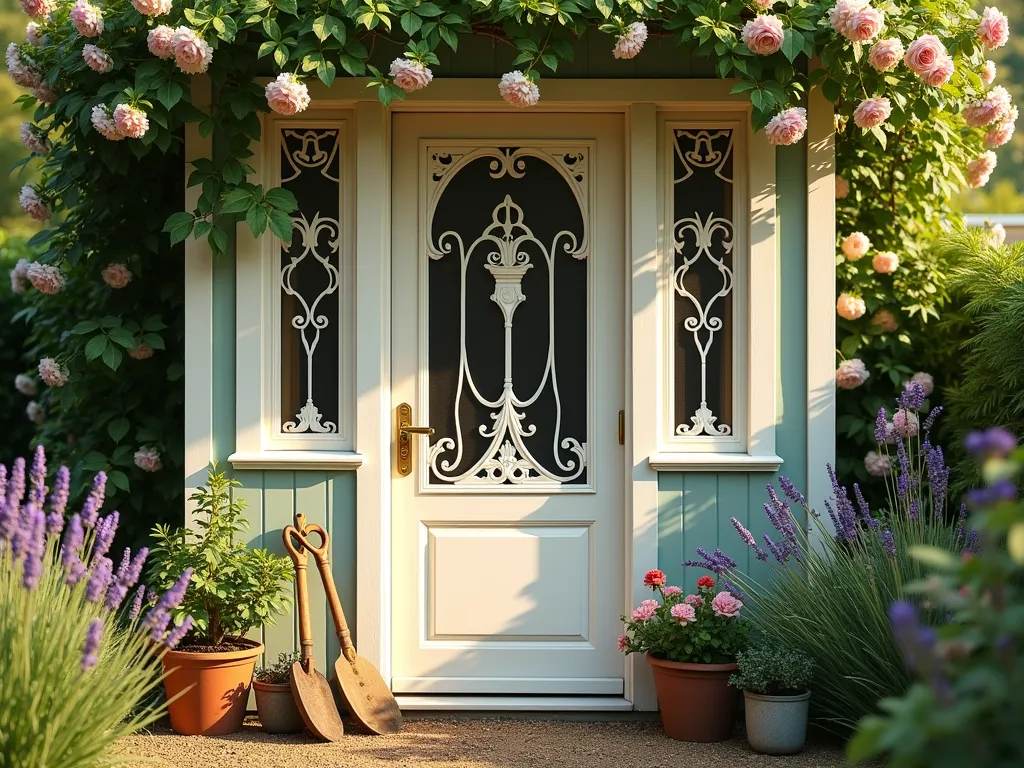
pixel 695 508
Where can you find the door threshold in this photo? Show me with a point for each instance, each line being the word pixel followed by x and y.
pixel 454 703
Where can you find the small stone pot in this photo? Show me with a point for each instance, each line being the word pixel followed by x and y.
pixel 776 725
pixel 696 701
pixel 276 708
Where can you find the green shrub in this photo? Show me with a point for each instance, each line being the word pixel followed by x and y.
pixel 15 427
pixel 773 670
pixel 278 672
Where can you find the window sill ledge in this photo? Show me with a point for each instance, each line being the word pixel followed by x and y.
pixel 713 462
pixel 297 460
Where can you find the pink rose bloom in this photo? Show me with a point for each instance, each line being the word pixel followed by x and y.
pixel 885 320
pixel 32 204
pixel 885 262
pixel 152 7
pixel 695 600
pixel 994 29
pixel 886 54
pixel 34 34
pixel 979 169
pixel 877 465
pixel 1002 133
pixel 148 460
pixel 51 373
pixel 995 107
pixel 104 124
pixel 45 278
pixel 839 16
pixel 45 94
pixel 763 34
pixel 87 18
pixel 33 139
pixel 518 90
pixel 926 381
pixel 97 60
pixel 25 384
pixel 865 25
pixel 905 423
pixel 286 95
pixel 645 610
pixel 160 42
pixel 623 641
pixel 130 121
pixel 927 58
pixel 850 307
pixel 988 74
pixel 941 74
pixel 842 188
pixel 871 113
pixel 411 75
pixel 141 352
pixel 35 412
pixel 996 234
pixel 683 613
pixel 630 44
pixel 38 9
pixel 851 374
pixel 117 275
pixel 726 604
pixel 671 591
pixel 764 4
pixel 192 54
pixel 855 246
pixel 22 72
pixel 19 277
pixel 787 127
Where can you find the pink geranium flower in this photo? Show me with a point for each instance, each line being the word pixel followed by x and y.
pixel 1000 134
pixel 645 610
pixel 980 169
pixel 103 121
pixel 518 90
pixel 787 127
pixel 623 642
pixel 695 600
pixel 763 34
pixel 52 374
pixel 34 34
pixel 628 45
pixel 38 9
pixel 130 121
pixel 33 139
pixel 87 18
pixel 671 591
pixel 727 605
pixel 97 59
pixel 683 613
pixel 20 69
pixel 45 278
pixel 33 204
pixel 994 29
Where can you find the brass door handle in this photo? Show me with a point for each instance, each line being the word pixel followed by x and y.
pixel 404 428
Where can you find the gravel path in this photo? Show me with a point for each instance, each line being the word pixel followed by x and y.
pixel 467 743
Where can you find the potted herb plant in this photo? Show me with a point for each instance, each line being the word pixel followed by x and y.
pixel 691 642
pixel 774 682
pixel 275 704
pixel 232 590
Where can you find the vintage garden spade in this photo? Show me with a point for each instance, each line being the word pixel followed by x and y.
pixel 362 688
pixel 310 689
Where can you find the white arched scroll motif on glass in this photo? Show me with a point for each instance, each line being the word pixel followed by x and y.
pixel 702 278
pixel 309 280
pixel 507 312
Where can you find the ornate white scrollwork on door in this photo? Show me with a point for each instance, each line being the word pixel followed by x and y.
pixel 504 449
pixel 702 244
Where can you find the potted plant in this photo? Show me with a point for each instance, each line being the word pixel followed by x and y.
pixel 232 590
pixel 774 682
pixel 275 704
pixel 691 642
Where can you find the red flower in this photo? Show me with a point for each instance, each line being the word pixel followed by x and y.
pixel 654 578
pixel 705 582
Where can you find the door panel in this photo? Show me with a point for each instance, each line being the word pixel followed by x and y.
pixel 507 275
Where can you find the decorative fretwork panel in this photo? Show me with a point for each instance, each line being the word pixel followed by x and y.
pixel 507 310
pixel 702 242
pixel 310 276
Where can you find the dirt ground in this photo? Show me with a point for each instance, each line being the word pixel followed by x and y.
pixel 467 743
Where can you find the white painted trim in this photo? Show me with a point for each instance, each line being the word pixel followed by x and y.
pixel 297 460
pixel 515 703
pixel 199 349
pixel 643 371
pixel 821 293
pixel 713 462
pixel 373 382
pixel 513 686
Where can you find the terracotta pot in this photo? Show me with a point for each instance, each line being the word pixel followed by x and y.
pixel 696 701
pixel 215 685
pixel 276 707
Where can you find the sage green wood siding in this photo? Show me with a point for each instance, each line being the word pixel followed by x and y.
pixel 695 508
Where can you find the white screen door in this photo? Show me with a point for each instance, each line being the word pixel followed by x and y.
pixel 508 282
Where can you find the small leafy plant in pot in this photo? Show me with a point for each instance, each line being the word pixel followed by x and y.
pixel 774 681
pixel 275 704
pixel 691 642
pixel 231 590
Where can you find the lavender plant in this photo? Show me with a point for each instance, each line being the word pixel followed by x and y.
pixel 832 581
pixel 80 643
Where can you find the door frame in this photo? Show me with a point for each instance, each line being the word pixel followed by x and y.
pixel 639 101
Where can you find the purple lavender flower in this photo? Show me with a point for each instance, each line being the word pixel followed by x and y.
pixel 106 527
pixel 929 422
pixel 779 551
pixel 34 546
pixel 881 426
pixel 844 517
pixel 735 591
pixel 888 543
pixel 790 491
pixel 916 642
pixel 915 509
pixel 178 633
pixel 61 487
pixel 1002 490
pixel 92 505
pixel 938 477
pixel 3 484
pixel 115 594
pixel 126 561
pixel 862 506
pixel 973 544
pixel 994 441
pixel 71 562
pixel 102 572
pixel 748 539
pixel 136 608
pixel 717 562
pixel 173 596
pixel 151 596
pixel 903 479
pixel 89 512
pixel 913 396
pixel 135 567
pixel 16 485
pixel 773 496
pixel 93 636
pixel 54 524
pixel 38 477
pixel 960 524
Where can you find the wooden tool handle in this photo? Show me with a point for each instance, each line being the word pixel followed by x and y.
pixel 298 556
pixel 348 648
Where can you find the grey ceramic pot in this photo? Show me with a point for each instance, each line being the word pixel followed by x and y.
pixel 776 725
pixel 276 708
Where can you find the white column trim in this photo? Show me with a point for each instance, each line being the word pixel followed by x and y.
pixel 821 297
